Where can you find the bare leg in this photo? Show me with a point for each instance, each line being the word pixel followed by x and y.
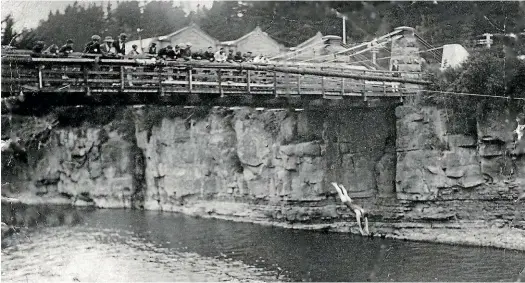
pixel 345 193
pixel 366 226
pixel 358 218
pixel 339 192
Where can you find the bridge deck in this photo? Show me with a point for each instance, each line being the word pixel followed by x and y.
pixel 147 81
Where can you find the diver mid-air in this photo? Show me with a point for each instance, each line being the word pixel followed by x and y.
pixel 358 211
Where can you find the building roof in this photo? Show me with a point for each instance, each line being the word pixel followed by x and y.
pixel 191 26
pixel 317 37
pixel 257 30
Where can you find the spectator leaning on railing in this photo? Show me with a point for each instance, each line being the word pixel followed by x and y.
pixel 220 56
pixel 37 49
pixel 120 45
pixel 66 49
pixel 107 49
pixel 238 57
pixel 93 47
pixel 186 52
pixel 52 50
pixel 209 55
pixel 134 51
pixel 167 53
pixel 152 49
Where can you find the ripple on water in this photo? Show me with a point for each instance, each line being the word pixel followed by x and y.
pixel 87 254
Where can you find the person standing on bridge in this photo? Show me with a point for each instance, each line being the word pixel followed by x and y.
pixel 134 51
pixel 107 48
pixel 120 45
pixel 220 56
pixel 395 74
pixel 38 49
pixel 166 53
pixel 357 210
pixel 186 52
pixel 66 49
pixel 152 49
pixel 93 47
pixel 209 54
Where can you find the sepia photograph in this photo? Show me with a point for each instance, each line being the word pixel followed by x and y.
pixel 262 141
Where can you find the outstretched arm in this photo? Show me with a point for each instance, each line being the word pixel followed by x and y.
pixel 339 192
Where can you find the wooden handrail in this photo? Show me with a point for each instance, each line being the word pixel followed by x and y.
pixel 113 76
pixel 351 74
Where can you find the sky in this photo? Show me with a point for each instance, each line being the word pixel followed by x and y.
pixel 28 13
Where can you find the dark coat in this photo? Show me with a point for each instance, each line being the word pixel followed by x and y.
pixel 120 49
pixel 152 50
pixel 65 50
pixel 92 48
pixel 166 53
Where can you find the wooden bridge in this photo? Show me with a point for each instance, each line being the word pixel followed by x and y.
pixel 95 81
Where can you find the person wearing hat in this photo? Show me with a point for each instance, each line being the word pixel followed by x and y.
pixel 186 52
pixel 93 47
pixel 120 45
pixel 152 49
pixel 66 49
pixel 107 48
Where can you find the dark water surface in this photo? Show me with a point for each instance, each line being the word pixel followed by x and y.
pixel 124 245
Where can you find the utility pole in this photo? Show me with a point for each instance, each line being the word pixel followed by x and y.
pixel 344 29
pixel 339 15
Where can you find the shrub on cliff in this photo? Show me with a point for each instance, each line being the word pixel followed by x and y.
pixel 485 73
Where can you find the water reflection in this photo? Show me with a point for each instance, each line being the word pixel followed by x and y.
pixel 153 246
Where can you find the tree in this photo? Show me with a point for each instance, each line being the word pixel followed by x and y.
pixel 8 33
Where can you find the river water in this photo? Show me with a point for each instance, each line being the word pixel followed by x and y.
pixel 124 245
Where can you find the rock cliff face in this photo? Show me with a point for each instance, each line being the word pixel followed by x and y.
pixel 412 167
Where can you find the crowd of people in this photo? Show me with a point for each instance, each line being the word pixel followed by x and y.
pixel 110 48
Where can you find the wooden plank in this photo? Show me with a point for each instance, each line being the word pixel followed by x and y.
pixel 248 82
pixel 122 78
pixel 189 80
pixel 219 80
pixel 275 84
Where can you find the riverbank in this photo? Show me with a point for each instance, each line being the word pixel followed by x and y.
pixel 466 233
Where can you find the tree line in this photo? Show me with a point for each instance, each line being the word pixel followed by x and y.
pixel 289 22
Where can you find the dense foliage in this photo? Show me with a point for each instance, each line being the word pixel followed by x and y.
pixel 289 22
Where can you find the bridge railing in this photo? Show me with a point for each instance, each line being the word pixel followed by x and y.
pixel 90 75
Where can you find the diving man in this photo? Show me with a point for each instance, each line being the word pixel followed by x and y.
pixel 358 211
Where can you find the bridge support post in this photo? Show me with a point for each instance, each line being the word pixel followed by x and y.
pixel 161 89
pixel 86 77
pixel 342 86
pixel 40 78
pixel 219 81
pixel 248 79
pixel 322 87
pixel 299 84
pixel 275 84
pixel 122 78
pixel 190 85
